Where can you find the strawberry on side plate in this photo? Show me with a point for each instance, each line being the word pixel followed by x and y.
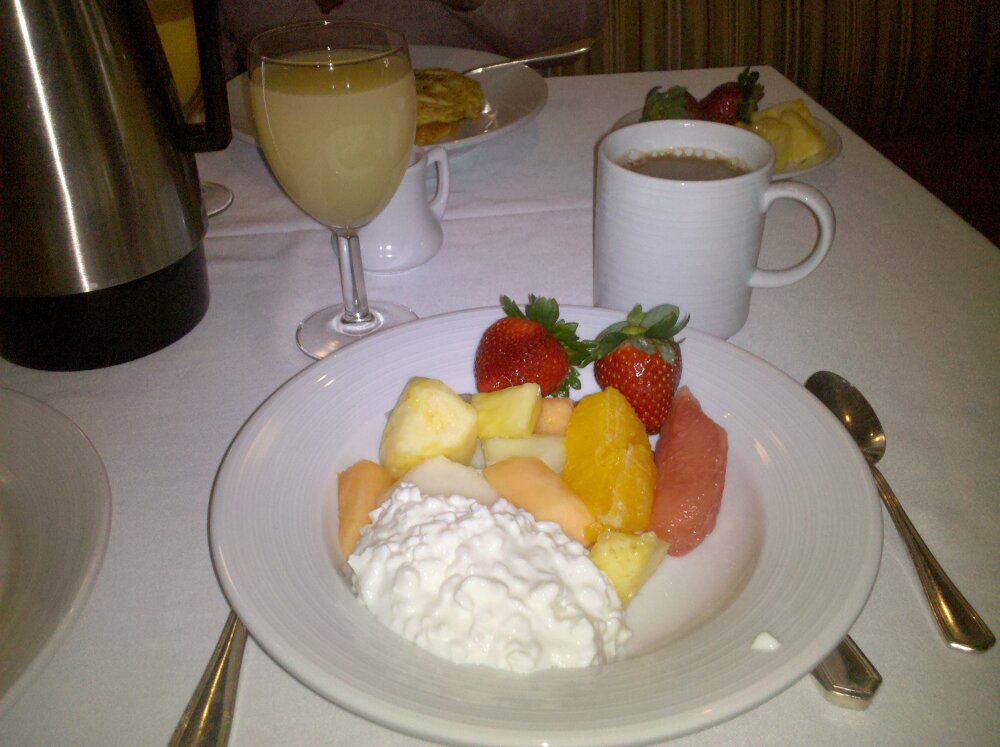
pixel 533 345
pixel 734 101
pixel 640 358
pixel 674 103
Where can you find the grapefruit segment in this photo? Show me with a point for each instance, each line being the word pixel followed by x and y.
pixel 691 474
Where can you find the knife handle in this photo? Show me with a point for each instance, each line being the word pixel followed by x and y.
pixel 847 676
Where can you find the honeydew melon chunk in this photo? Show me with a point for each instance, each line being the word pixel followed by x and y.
pixel 429 420
pixel 553 417
pixel 478 461
pixel 550 449
pixel 528 483
pixel 360 490
pixel 628 560
pixel 441 476
pixel 508 413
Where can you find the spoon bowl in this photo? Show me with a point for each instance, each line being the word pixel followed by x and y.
pixel 960 624
pixel 852 409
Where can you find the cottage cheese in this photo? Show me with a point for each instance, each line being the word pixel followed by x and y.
pixel 486 585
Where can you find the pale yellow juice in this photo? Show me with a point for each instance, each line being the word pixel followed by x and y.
pixel 336 135
pixel 175 25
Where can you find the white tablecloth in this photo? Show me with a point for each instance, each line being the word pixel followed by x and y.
pixel 907 305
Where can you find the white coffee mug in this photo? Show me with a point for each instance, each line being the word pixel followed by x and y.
pixel 692 243
pixel 408 232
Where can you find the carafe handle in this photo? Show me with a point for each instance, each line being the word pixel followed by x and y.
pixel 216 132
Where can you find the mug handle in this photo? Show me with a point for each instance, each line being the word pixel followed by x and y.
pixel 439 157
pixel 813 199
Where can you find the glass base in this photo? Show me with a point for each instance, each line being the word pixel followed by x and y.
pixel 215 197
pixel 326 331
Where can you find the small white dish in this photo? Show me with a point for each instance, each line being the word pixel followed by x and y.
pixel 408 233
pixel 514 96
pixel 55 516
pixel 794 555
pixel 831 150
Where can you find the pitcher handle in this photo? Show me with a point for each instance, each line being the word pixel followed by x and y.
pixel 216 132
pixel 820 207
pixel 439 157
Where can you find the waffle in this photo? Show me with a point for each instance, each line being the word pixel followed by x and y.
pixel 444 99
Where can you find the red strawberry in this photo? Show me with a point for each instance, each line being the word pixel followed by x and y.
pixel 640 358
pixel 733 102
pixel 533 345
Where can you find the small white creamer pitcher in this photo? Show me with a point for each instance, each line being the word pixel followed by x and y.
pixel 408 232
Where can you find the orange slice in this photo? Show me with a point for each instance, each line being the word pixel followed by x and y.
pixel 609 463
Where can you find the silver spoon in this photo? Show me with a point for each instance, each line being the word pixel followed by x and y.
pixel 960 624
pixel 562 53
pixel 208 718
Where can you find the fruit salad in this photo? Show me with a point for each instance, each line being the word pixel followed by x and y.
pixel 586 466
pixel 789 126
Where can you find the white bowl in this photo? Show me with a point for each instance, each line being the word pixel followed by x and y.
pixel 794 555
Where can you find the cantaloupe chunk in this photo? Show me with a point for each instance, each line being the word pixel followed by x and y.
pixel 508 413
pixel 549 449
pixel 628 559
pixel 553 417
pixel 528 483
pixel 359 492
pixel 429 419
pixel 441 476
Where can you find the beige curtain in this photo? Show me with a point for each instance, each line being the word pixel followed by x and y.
pixel 882 66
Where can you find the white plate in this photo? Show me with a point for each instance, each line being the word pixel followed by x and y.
pixel 831 148
pixel 514 96
pixel 795 554
pixel 55 515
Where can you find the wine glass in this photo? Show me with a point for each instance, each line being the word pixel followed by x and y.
pixel 334 108
pixel 174 21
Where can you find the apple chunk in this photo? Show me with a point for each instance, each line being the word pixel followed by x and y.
pixel 429 420
pixel 528 483
pixel 441 476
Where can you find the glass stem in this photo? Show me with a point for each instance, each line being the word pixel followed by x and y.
pixel 352 278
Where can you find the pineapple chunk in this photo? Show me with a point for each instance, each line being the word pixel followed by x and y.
pixel 528 483
pixel 508 413
pixel 441 476
pixel 554 416
pixel 628 559
pixel 550 449
pixel 791 130
pixel 429 419
pixel 360 490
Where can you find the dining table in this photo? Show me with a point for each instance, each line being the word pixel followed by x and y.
pixel 906 306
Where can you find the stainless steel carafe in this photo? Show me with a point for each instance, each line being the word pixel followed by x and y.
pixel 101 220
